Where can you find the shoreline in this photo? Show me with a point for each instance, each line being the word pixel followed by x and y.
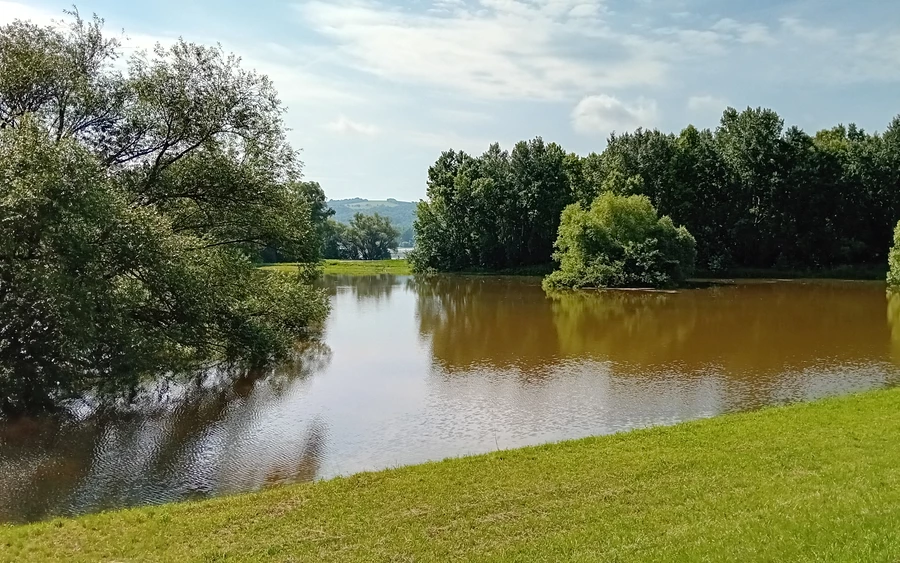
pixel 401 267
pixel 759 485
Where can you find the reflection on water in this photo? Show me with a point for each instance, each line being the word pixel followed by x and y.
pixel 413 370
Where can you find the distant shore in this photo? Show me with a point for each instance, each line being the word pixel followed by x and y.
pixel 401 267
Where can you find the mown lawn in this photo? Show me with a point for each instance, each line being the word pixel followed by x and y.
pixel 810 482
pixel 355 267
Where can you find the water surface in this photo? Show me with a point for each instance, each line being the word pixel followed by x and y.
pixel 411 371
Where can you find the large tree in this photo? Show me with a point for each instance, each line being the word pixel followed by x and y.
pixel 371 237
pixel 131 204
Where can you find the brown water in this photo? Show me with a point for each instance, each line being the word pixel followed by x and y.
pixel 414 371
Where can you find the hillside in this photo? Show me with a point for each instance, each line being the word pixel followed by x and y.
pixel 401 213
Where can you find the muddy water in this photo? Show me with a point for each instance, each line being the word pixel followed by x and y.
pixel 413 371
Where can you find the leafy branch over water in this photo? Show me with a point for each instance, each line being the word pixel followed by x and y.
pixel 130 204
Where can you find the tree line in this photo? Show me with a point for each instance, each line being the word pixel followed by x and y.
pixel 753 193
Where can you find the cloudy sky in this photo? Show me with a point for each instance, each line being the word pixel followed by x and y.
pixel 377 89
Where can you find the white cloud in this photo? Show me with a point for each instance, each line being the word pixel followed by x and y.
pixel 446 6
pixel 497 49
pixel 605 114
pixel 347 126
pixel 799 29
pixel 585 11
pixel 824 54
pixel 11 11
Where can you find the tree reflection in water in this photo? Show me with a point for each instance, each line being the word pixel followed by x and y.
pixel 443 366
pixel 756 339
pixel 219 434
pixel 376 288
pixel 495 323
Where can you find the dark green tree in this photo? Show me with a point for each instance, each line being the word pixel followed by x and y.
pixel 336 245
pixel 500 210
pixel 130 207
pixel 371 237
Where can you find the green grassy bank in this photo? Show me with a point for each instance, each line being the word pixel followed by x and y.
pixel 401 268
pixel 809 482
pixel 355 267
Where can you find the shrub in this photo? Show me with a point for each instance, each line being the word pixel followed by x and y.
pixel 893 277
pixel 620 242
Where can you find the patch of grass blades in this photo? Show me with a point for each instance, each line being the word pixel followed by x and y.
pixel 354 267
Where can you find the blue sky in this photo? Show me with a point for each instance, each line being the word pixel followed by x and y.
pixel 375 90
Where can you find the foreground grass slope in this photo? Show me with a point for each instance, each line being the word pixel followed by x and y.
pixel 807 482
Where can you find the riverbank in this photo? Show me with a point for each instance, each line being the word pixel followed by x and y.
pixel 401 267
pixel 859 272
pixel 354 267
pixel 813 481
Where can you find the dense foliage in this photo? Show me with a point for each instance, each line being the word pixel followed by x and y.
pixel 130 205
pixel 754 194
pixel 620 242
pixel 367 237
pixel 319 213
pixel 496 211
pixel 893 277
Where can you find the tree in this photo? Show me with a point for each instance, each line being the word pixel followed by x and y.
pixel 371 237
pixel 752 148
pixel 319 214
pixel 500 210
pixel 130 205
pixel 620 242
pixel 335 245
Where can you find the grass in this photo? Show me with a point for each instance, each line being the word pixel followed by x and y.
pixel 808 482
pixel 355 267
pixel 401 268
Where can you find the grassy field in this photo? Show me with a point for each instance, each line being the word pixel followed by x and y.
pixel 809 482
pixel 355 267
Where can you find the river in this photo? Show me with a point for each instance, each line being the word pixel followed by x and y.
pixel 410 371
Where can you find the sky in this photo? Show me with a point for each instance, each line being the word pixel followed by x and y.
pixel 376 90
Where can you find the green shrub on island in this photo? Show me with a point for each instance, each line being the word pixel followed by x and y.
pixel 620 242
pixel 893 277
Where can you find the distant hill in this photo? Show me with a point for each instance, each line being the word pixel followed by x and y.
pixel 401 213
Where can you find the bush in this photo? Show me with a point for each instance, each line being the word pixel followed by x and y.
pixel 620 242
pixel 893 277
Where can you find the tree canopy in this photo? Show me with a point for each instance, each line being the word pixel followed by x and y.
pixel 754 194
pixel 367 237
pixel 499 210
pixel 131 203
pixel 620 242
